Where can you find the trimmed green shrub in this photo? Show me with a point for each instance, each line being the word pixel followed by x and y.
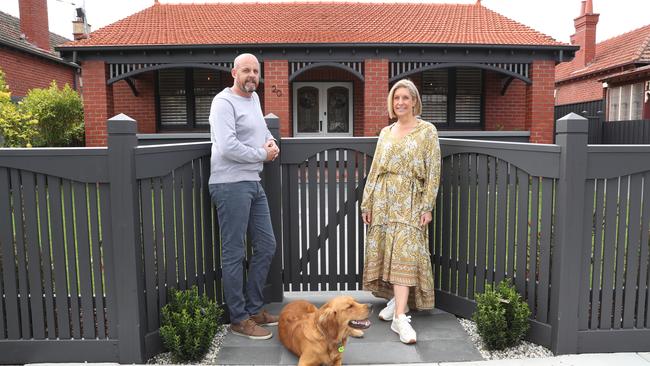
pixel 501 316
pixel 189 323
pixel 59 113
pixel 17 128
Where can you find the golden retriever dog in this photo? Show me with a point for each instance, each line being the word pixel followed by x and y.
pixel 318 335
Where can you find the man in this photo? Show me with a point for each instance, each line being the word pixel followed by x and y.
pixel 241 143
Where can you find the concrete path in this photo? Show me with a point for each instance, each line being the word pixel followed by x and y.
pixel 440 338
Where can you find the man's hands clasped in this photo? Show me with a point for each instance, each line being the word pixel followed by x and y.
pixel 272 150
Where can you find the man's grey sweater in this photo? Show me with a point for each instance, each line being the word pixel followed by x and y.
pixel 238 132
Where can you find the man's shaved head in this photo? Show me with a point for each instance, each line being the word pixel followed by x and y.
pixel 244 57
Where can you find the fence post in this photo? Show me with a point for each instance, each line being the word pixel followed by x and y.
pixel 571 135
pixel 273 291
pixel 131 320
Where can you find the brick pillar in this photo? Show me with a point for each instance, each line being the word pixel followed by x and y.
pixel 540 103
pixel 375 92
pixel 276 93
pixel 98 101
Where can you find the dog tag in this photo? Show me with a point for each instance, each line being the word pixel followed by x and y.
pixel 341 348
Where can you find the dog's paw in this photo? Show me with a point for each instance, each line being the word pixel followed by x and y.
pixel 356 333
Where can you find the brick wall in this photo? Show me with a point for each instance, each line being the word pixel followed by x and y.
pixel 24 71
pixel 374 97
pixel 579 91
pixel 540 103
pixel 141 108
pixel 98 102
pixel 329 74
pixel 504 112
pixel 276 93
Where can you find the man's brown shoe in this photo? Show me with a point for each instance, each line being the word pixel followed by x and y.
pixel 265 318
pixel 249 329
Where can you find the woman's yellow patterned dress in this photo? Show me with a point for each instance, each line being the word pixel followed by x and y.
pixel 401 185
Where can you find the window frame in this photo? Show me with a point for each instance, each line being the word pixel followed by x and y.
pixel 627 89
pixel 190 104
pixel 452 89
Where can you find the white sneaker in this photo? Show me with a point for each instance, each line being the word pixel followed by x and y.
pixel 388 312
pixel 402 326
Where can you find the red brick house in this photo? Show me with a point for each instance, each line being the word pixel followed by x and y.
pixel 326 67
pixel 27 54
pixel 611 77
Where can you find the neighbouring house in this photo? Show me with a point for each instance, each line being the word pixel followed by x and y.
pixel 27 54
pixel 326 67
pixel 609 80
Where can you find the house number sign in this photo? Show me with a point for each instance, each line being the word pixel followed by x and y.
pixel 276 91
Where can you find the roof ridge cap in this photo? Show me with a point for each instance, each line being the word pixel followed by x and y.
pixel 644 46
pixel 303 2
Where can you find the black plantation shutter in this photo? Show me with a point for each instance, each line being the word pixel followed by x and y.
pixel 206 86
pixel 173 103
pixel 435 88
pixel 468 96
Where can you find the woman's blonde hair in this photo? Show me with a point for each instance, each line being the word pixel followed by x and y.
pixel 415 94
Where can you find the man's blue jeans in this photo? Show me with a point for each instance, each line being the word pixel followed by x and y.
pixel 243 205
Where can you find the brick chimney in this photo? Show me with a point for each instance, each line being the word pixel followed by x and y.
pixel 33 22
pixel 80 27
pixel 585 35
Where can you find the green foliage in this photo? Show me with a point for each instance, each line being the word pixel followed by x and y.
pixel 59 113
pixel 501 316
pixel 19 129
pixel 189 323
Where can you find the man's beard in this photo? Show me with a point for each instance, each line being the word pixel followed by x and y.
pixel 248 86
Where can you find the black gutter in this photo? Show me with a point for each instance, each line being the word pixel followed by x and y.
pixel 323 45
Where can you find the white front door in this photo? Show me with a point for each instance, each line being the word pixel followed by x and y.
pixel 322 109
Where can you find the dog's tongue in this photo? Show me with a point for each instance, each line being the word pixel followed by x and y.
pixel 360 323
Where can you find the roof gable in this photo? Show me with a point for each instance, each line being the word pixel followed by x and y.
pixel 315 23
pixel 628 48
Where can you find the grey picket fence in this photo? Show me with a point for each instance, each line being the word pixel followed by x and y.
pixel 91 239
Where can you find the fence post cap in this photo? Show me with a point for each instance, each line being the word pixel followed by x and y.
pixel 272 120
pixel 572 123
pixel 122 124
pixel 121 117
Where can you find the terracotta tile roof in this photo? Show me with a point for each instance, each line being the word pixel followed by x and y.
pixel 10 36
pixel 628 48
pixel 310 22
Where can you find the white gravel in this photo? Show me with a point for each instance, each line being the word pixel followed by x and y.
pixel 210 357
pixel 523 350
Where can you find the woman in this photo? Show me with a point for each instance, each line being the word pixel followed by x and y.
pixel 398 198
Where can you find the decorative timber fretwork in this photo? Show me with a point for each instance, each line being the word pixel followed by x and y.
pixel 123 71
pixel 298 67
pixel 402 69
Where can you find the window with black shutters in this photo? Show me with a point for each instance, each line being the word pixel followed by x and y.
pixel 172 97
pixel 185 97
pixel 434 96
pixel 452 98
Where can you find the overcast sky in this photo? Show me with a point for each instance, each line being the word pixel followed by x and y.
pixel 552 17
